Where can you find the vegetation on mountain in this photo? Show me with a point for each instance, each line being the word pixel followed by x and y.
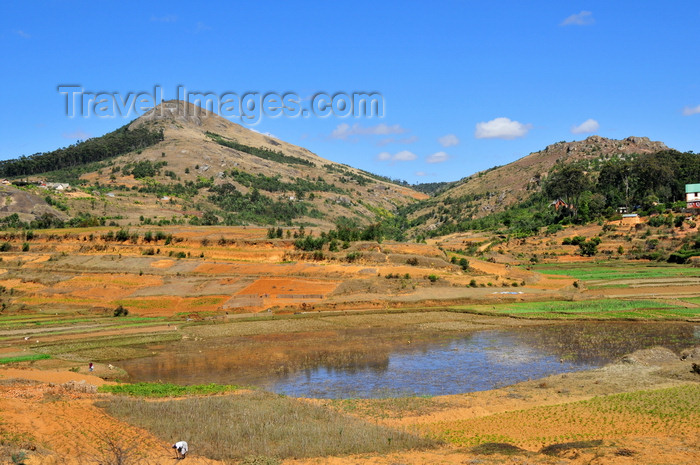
pixel 647 183
pixel 431 188
pixel 300 186
pixel 119 142
pixel 253 207
pixel 690 248
pixel 261 152
pixel 345 231
pixel 348 174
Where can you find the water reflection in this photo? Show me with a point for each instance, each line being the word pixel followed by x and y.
pixel 378 363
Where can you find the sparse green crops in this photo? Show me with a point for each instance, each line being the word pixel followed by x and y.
pixel 24 358
pixel 26 321
pixel 260 424
pixel 673 412
pixel 604 271
pixel 589 309
pixel 78 347
pixel 167 389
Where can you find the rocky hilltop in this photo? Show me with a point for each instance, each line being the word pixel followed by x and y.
pixel 494 189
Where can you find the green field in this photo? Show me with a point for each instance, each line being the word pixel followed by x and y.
pixel 23 358
pixel 617 271
pixel 166 389
pixel 603 309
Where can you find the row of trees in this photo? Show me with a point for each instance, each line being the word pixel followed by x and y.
pixel 119 142
pixel 262 152
pixel 636 183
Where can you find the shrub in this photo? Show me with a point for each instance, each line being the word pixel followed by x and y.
pixel 122 235
pixel 433 278
pixel 120 311
pixel 589 248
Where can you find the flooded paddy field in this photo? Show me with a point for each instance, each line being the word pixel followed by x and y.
pixel 376 361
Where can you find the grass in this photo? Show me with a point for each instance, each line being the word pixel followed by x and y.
pixel 23 358
pixel 390 407
pixel 167 389
pixel 163 303
pixel 260 424
pixel 673 412
pixel 104 343
pixel 616 271
pixel 603 309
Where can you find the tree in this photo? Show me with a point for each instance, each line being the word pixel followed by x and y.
pixel 589 248
pixel 209 219
pixel 568 182
pixel 615 182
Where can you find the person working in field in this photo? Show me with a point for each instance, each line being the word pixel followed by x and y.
pixel 180 449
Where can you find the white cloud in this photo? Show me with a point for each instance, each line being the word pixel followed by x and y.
pixel 501 128
pixel 584 18
pixel 438 157
pixel 687 111
pixel 588 126
pixel 421 173
pixel 78 134
pixel 344 130
pixel 403 155
pixel 22 34
pixel 268 134
pixel 448 140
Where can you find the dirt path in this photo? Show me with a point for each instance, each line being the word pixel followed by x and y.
pixel 64 426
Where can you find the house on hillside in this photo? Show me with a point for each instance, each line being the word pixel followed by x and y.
pixel 559 203
pixel 692 196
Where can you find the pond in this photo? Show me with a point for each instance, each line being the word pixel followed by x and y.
pixel 375 363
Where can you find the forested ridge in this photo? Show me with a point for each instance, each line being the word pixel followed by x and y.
pixel 647 183
pixel 115 143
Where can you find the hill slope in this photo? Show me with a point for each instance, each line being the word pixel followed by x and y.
pixel 495 189
pixel 207 170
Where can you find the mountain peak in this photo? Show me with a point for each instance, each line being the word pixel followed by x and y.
pixel 631 144
pixel 178 110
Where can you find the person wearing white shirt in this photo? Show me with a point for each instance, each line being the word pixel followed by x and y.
pixel 180 449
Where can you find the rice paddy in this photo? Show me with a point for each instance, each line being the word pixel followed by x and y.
pixel 673 411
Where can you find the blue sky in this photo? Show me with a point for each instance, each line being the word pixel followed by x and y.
pixel 466 85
